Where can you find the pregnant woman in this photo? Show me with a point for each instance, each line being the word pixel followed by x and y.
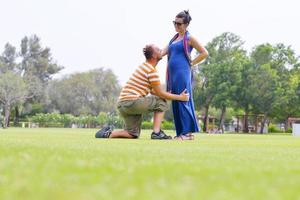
pixel 179 76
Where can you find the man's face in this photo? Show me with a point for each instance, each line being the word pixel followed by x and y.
pixel 157 53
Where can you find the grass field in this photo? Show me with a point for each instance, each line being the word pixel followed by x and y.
pixel 72 164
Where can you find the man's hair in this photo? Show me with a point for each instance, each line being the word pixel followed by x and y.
pixel 185 15
pixel 148 51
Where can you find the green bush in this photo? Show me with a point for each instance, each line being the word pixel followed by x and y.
pixel 167 125
pixel 36 108
pixel 52 119
pixel 66 120
pixel 86 121
pixel 53 125
pixel 116 121
pixel 273 129
pixel 102 118
pixel 147 125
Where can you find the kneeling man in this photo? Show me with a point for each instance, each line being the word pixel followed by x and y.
pixel 135 100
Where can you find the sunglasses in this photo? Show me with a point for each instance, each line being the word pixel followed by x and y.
pixel 177 23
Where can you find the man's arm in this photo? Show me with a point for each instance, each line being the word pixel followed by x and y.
pixel 169 96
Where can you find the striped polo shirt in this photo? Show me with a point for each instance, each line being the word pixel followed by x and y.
pixel 140 82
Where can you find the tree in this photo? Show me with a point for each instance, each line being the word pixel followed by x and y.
pixel 7 64
pixel 243 97
pixel 36 60
pixel 220 73
pixel 275 87
pixel 12 91
pixel 8 59
pixel 36 68
pixel 288 103
pixel 265 83
pixel 85 93
pixel 286 63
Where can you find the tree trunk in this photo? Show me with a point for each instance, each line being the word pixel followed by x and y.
pixel 263 124
pixel 246 127
pixel 6 115
pixel 222 118
pixel 205 119
pixel 286 124
pixel 17 116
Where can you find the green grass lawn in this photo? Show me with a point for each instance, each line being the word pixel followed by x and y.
pixel 72 164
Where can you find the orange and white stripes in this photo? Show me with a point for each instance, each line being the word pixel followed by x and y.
pixel 140 82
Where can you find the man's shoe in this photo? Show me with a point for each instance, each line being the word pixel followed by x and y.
pixel 104 132
pixel 160 136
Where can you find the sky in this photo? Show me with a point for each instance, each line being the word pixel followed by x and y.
pixel 89 34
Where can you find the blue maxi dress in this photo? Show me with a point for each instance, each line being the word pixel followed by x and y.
pixel 180 78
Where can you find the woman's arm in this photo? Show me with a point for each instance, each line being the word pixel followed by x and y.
pixel 164 51
pixel 201 49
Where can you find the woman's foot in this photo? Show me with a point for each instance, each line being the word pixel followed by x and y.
pixel 187 136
